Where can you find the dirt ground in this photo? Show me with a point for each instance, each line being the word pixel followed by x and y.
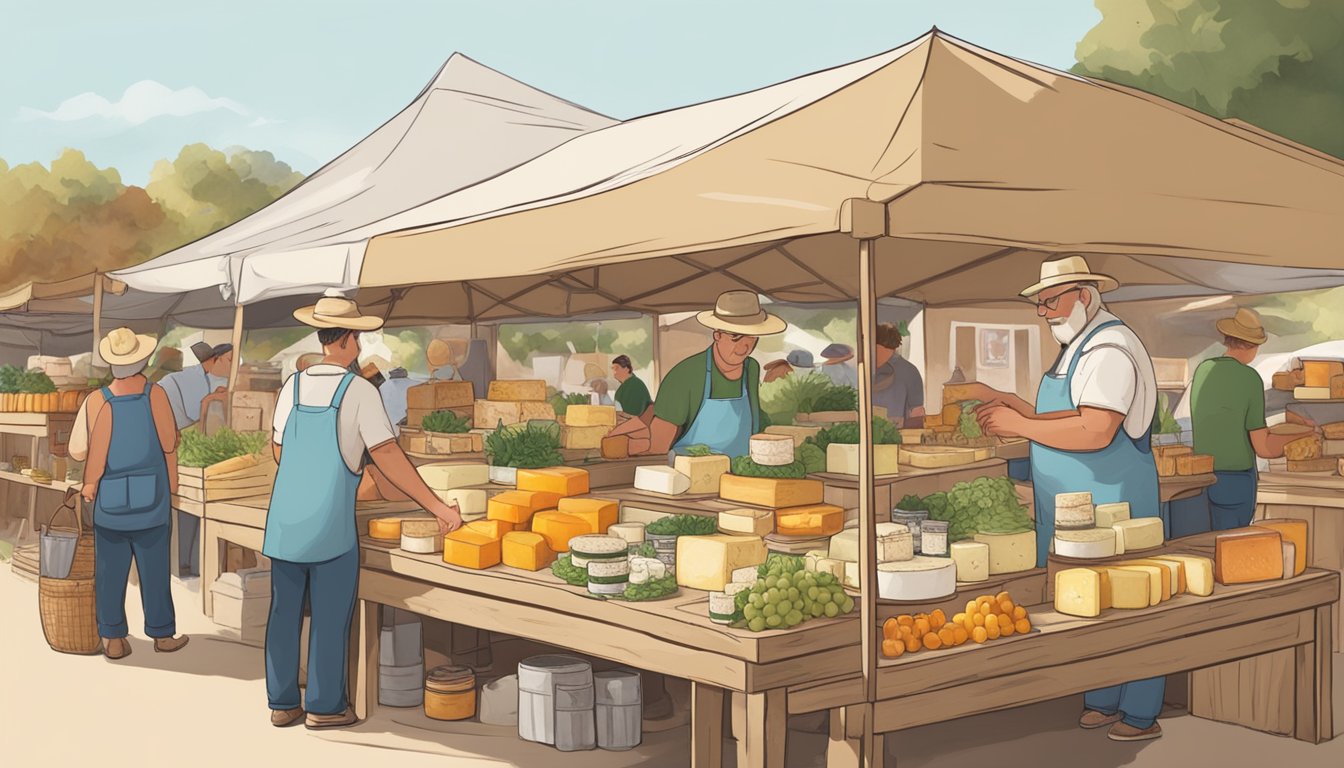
pixel 206 706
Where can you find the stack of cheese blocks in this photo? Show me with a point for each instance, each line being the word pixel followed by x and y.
pixel 584 427
pixel 1181 460
pixel 1265 551
pixel 1132 584
pixel 901 574
pixel 1084 531
pixel 792 507
pixel 1309 454
pixel 1321 380
pixel 512 402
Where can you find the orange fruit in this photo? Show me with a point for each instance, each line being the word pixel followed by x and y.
pixel 911 643
pixel 922 627
pixel 960 618
pixel 906 632
pixel 1006 607
pixel 1019 613
pixel 897 649
pixel 1004 622
pixel 969 623
pixel 959 635
pixel 1003 596
pixel 1007 631
pixel 890 629
pixel 992 630
pixel 932 642
pixel 948 636
pixel 889 648
pixel 979 635
pixel 972 606
pixel 985 610
pixel 937 619
pixel 979 619
pixel 905 620
pixel 1022 626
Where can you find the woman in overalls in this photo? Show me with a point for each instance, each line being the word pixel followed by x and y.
pixel 130 477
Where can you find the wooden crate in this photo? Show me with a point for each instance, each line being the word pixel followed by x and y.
pixel 420 442
pixel 233 479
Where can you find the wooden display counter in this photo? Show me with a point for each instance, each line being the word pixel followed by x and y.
pixel 1318 499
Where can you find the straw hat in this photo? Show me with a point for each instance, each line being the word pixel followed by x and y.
pixel 1245 325
pixel 1070 269
pixel 122 346
pixel 740 312
pixel 337 312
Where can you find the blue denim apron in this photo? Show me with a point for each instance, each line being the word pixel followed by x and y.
pixel 1122 471
pixel 133 491
pixel 726 425
pixel 311 518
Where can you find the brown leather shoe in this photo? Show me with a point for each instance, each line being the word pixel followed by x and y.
pixel 317 722
pixel 1126 732
pixel 1094 719
pixel 116 648
pixel 283 718
pixel 170 644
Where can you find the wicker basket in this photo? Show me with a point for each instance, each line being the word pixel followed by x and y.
pixel 69 615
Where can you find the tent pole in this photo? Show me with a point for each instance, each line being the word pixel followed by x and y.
pixel 655 368
pixel 97 321
pixel 237 340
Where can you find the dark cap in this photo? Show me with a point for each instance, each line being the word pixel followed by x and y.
pixel 204 352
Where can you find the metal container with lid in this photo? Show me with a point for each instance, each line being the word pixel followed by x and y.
pixel 538 678
pixel 914 520
pixel 619 709
pixel 450 693
pixel 933 538
pixel 575 724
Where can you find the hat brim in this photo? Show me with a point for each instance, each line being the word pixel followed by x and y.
pixel 1230 327
pixel 838 360
pixel 144 347
pixel 767 327
pixel 1105 283
pixel 307 316
pixel 773 364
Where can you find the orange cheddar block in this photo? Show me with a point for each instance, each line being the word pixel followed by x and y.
pixel 815 520
pixel 494 529
pixel 558 528
pixel 1294 531
pixel 517 507
pixel 469 549
pixel 385 528
pixel 526 550
pixel 562 481
pixel 770 492
pixel 600 514
pixel 1248 555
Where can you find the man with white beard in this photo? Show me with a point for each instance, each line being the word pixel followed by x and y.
pixel 1090 430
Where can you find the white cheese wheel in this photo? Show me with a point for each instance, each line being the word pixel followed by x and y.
pixel 771 450
pixel 664 480
pixel 586 549
pixel 920 578
pixel 972 559
pixel 1086 545
pixel 420 544
pixel 1073 499
pixel 1108 515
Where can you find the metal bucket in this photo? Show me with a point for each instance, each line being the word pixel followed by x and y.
pixel 57 552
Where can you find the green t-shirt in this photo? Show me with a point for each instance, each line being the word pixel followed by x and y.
pixel 633 396
pixel 683 389
pixel 1227 402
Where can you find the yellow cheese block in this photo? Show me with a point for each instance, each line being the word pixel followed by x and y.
pixel 1198 573
pixel 599 514
pixel 1317 373
pixel 1159 588
pixel 517 390
pixel 1291 530
pixel 526 550
pixel 705 471
pixel 494 529
pixel 708 562
pixel 435 395
pixel 1140 533
pixel 517 507
pixel 772 493
pixel 814 520
pixel 446 476
pixel 562 481
pixel 558 528
pixel 1248 555
pixel 1169 577
pixel 385 528
pixel 488 414
pixel 528 411
pixel 591 416
pixel 1078 592
pixel 469 549
pixel 1129 589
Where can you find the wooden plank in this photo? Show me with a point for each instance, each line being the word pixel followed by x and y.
pixel 1313 665
pixel 251 489
pixel 824 695
pixel 1255 693
pixel 706 726
pixel 995 691
pixel 237 512
pixel 212 559
pixel 818 665
pixel 364 642
pixel 845 747
pixel 767 730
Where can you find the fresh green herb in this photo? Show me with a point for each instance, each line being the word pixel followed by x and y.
pixel 785 398
pixel 837 398
pixel 743 466
pixel 847 433
pixel 446 422
pixel 984 505
pixel 198 450
pixel 645 549
pixel 683 525
pixel 812 457
pixel 564 569
pixel 967 424
pixel 561 402
pixel 912 503
pixel 652 589
pixel 531 447
pixel 1164 421
pixel 15 380
pixel 699 450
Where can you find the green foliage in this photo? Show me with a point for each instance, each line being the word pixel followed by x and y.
pixel 653 589
pixel 446 422
pixel 561 402
pixel 984 505
pixel 615 337
pixel 531 447
pixel 564 569
pixel 699 450
pixel 967 425
pixel 786 595
pixel 1276 65
pixel 645 549
pixel 14 379
pixel 847 433
pixel 1164 421
pixel 743 466
pixel 912 503
pixel 812 457
pixel 837 398
pixel 783 399
pixel 683 525
pixel 198 450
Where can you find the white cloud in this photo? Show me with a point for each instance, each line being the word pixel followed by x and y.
pixel 142 102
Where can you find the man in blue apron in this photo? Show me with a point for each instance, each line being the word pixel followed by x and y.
pixel 130 474
pixel 326 419
pixel 712 398
pixel 1090 430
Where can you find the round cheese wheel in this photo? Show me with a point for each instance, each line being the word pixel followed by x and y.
pixel 1073 499
pixel 920 578
pixel 771 450
pixel 421 545
pixel 1086 545
pixel 385 528
pixel 1076 517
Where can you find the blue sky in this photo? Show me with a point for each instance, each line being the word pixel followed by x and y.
pixel 133 81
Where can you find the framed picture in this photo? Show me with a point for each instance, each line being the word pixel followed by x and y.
pixel 994 347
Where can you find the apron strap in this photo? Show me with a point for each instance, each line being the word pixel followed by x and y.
pixel 340 390
pixel 148 385
pixel 298 376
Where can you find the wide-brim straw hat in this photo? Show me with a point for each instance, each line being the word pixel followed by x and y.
pixel 122 346
pixel 740 312
pixel 1070 269
pixel 1244 325
pixel 337 312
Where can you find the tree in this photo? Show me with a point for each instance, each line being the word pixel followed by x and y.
pixel 1277 64
pixel 204 189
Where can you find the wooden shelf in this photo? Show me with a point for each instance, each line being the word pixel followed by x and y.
pixel 55 485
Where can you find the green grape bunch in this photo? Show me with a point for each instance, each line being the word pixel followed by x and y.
pixel 786 595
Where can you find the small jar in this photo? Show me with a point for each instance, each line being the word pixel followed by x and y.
pixel 914 520
pixel 933 538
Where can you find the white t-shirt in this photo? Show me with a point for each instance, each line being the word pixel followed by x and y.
pixel 1114 373
pixel 362 422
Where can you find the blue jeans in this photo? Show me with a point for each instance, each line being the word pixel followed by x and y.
pixel 112 553
pixel 1232 499
pixel 329 588
pixel 1140 702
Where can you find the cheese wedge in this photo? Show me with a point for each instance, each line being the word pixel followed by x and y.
pixel 1104 574
pixel 385 528
pixel 1289 559
pixel 1197 571
pixel 518 507
pixel 665 480
pixel 771 493
pixel 471 502
pixel 443 476
pixel 704 471
pixel 1078 592
pixel 469 549
pixel 559 528
pixel 526 550
pixel 750 522
pixel 1107 515
pixel 1131 588
pixel 600 514
pixel 1171 579
pixel 1140 533
pixel 561 481
pixel 1158 578
pixel 494 529
pixel 708 562
pixel 1009 552
pixel 633 533
pixel 815 520
pixel 1291 530
pixel 1248 555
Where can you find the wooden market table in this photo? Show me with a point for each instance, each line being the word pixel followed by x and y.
pixel 1318 499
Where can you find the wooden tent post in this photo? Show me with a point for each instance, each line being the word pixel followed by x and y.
pixel 237 347
pixel 655 366
pixel 97 321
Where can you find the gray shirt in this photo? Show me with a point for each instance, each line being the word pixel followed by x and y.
pixel 898 387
